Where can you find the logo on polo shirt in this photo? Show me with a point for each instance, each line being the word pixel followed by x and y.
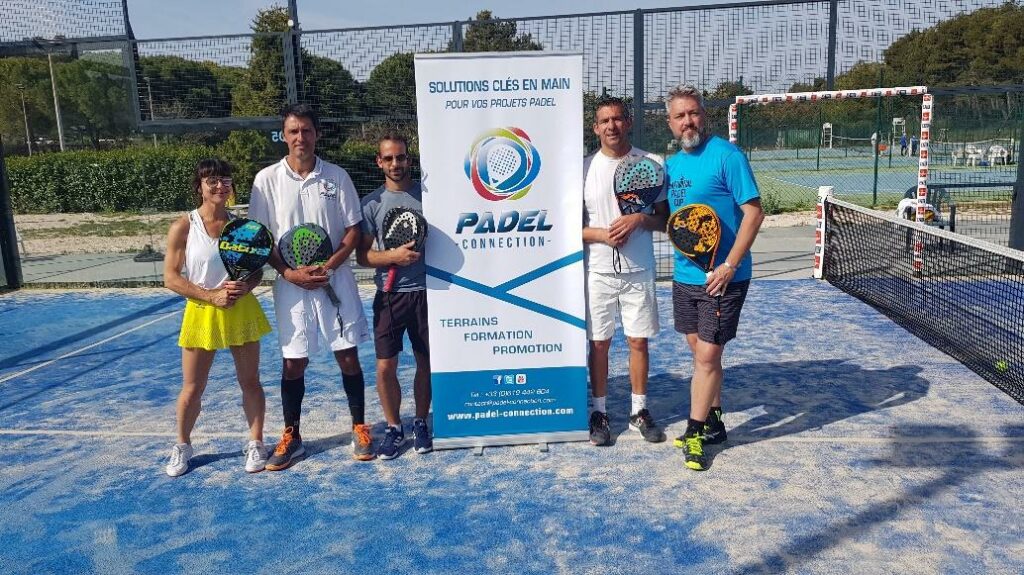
pixel 328 190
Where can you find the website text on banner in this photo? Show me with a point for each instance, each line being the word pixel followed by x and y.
pixel 503 186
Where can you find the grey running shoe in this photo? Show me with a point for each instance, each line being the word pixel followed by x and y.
pixel 362 444
pixel 644 423
pixel 287 451
pixel 600 428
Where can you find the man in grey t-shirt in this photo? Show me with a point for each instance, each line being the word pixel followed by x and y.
pixel 405 306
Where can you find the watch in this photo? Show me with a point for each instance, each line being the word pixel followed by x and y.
pixel 729 265
pixel 330 272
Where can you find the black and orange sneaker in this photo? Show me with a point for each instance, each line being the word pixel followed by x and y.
pixel 288 450
pixel 362 444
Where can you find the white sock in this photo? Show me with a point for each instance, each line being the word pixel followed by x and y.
pixel 639 402
pixel 397 428
pixel 599 404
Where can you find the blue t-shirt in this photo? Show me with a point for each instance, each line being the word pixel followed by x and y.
pixel 716 173
pixel 412 277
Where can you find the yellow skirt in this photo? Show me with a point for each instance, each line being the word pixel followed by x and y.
pixel 206 326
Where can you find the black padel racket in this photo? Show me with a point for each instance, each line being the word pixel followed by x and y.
pixel 695 231
pixel 638 183
pixel 309 245
pixel 401 226
pixel 244 247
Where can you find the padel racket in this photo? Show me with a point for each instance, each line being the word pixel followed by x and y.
pixel 695 231
pixel 244 247
pixel 638 183
pixel 401 226
pixel 309 245
pixel 503 162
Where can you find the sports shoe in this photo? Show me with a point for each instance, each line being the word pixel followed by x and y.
pixel 287 451
pixel 643 422
pixel 600 431
pixel 714 429
pixel 178 462
pixel 694 446
pixel 255 456
pixel 389 446
pixel 362 444
pixel 421 440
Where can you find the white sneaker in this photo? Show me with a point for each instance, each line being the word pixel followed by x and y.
pixel 255 456
pixel 178 462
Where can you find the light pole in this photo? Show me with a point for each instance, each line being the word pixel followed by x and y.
pixel 24 112
pixel 152 111
pixel 56 102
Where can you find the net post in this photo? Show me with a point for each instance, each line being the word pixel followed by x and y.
pixel 927 114
pixel 824 192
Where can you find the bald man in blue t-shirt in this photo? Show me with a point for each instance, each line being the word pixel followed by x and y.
pixel 709 170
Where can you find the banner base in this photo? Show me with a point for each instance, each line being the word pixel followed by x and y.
pixel 511 439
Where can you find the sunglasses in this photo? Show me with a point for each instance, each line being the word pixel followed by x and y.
pixel 212 181
pixel 400 158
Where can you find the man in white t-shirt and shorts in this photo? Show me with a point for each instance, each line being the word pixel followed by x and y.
pixel 619 263
pixel 303 188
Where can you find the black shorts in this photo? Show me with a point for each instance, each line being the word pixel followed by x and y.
pixel 393 314
pixel 696 312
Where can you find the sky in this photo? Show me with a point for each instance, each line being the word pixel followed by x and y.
pixel 165 19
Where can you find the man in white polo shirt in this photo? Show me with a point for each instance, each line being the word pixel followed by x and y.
pixel 619 263
pixel 303 188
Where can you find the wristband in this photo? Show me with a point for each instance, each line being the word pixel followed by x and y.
pixel 729 265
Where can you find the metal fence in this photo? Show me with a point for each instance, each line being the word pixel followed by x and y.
pixel 222 93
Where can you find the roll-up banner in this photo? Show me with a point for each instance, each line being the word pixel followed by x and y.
pixel 501 149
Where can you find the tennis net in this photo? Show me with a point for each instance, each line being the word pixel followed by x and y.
pixel 967 298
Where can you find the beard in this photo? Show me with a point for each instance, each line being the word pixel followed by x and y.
pixel 691 142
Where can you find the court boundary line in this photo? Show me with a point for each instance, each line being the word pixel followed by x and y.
pixel 72 353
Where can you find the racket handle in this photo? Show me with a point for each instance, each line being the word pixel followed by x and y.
pixel 389 282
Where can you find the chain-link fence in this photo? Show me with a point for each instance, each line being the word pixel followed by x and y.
pixel 138 112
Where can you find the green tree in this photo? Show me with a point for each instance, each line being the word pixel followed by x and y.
pixel 391 87
pixel 186 88
pixel 262 90
pixel 489 35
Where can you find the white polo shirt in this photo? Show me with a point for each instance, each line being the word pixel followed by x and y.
pixel 281 199
pixel 600 209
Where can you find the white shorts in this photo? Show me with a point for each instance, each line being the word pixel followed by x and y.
pixel 630 295
pixel 307 318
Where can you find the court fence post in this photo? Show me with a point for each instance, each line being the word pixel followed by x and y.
pixel 8 236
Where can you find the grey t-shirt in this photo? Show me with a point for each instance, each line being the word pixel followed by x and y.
pixel 375 207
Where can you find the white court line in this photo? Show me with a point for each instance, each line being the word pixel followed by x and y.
pixel 95 344
pixel 928 439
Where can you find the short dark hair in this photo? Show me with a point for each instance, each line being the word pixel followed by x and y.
pixel 392 137
pixel 204 169
pixel 301 111
pixel 607 101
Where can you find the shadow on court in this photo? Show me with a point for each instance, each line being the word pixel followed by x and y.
pixel 956 452
pixel 39 354
pixel 778 398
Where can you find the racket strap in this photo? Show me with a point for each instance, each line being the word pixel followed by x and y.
pixel 616 261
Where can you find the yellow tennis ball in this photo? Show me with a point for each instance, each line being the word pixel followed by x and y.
pixel 1002 366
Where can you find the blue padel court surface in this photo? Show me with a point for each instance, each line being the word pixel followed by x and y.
pixel 853 448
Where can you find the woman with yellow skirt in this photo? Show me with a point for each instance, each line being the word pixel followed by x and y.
pixel 219 314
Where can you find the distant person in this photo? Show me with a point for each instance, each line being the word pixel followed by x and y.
pixel 619 264
pixel 874 143
pixel 303 188
pixel 709 170
pixel 903 145
pixel 219 314
pixel 913 146
pixel 406 308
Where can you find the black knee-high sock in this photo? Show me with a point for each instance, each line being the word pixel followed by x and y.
pixel 292 392
pixel 355 389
